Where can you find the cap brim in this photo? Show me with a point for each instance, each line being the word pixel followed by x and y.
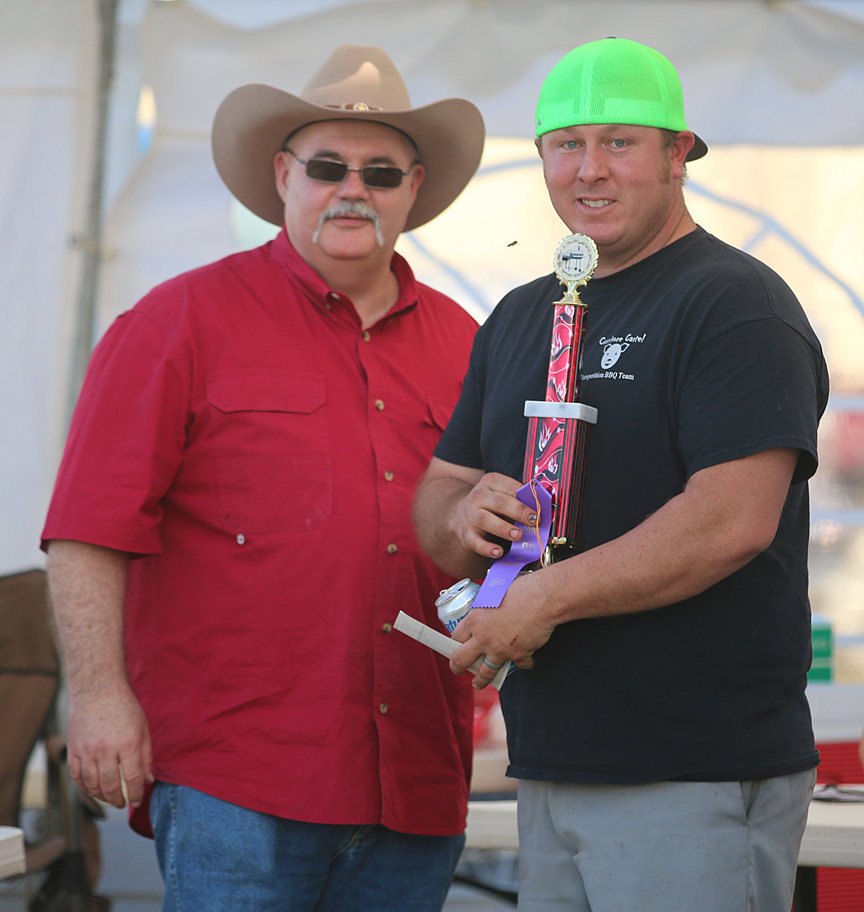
pixel 253 121
pixel 699 149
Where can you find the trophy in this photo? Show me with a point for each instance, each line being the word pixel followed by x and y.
pixel 554 470
pixel 558 427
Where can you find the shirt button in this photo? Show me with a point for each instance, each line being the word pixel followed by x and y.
pixel 392 549
pixel 366 335
pixel 388 475
pixel 382 708
pixel 241 539
pixel 379 404
pixel 386 628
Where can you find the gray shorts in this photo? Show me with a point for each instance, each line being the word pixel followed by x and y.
pixel 706 846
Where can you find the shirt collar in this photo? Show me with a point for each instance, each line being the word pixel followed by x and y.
pixel 320 293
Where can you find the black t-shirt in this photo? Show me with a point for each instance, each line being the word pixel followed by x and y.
pixel 694 356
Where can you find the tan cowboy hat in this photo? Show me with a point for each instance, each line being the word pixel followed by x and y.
pixel 355 83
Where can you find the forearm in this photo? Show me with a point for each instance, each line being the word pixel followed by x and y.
pixel 87 585
pixel 725 517
pixel 108 741
pixel 667 559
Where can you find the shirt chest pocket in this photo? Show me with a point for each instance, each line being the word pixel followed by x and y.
pixel 270 440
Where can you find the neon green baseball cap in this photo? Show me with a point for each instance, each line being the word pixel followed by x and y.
pixel 614 81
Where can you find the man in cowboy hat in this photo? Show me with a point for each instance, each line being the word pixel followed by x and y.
pixel 658 724
pixel 233 511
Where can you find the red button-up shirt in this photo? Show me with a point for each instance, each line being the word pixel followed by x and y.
pixel 256 451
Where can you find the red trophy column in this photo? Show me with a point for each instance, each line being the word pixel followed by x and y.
pixel 558 427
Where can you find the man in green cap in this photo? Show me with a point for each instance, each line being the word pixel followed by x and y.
pixel 657 721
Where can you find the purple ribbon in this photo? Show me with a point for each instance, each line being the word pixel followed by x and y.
pixel 526 551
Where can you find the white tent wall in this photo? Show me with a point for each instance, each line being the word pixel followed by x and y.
pixel 48 55
pixel 773 86
pixel 768 75
pixel 196 51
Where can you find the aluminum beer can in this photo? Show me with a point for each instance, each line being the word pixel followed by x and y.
pixel 454 603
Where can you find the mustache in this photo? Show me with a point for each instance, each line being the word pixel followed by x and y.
pixel 344 208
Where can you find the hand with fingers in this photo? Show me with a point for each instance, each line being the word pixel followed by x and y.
pixel 108 747
pixel 489 513
pixel 513 631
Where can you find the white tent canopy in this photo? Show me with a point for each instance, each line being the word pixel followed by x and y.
pixel 773 86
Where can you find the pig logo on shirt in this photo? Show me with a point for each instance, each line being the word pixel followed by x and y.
pixel 612 352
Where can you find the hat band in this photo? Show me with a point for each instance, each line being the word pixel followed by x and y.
pixel 354 106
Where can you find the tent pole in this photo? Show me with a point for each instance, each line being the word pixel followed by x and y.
pixel 90 241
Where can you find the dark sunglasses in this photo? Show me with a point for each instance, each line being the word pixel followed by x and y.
pixel 378 177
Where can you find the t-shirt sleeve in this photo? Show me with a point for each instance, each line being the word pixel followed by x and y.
pixel 758 385
pixel 461 443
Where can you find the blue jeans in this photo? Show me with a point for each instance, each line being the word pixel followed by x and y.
pixel 215 857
